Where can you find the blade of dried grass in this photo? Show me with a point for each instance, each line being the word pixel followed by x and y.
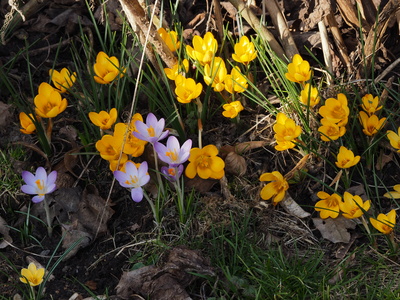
pixel 137 16
pixel 338 40
pixel 326 51
pixel 375 35
pixel 280 23
pixel 350 15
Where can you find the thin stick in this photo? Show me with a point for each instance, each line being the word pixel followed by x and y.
pixel 325 49
pixel 280 23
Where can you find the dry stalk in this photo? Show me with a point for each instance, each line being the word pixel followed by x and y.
pixel 350 15
pixel 280 23
pixel 325 49
pixel 137 17
pixel 376 33
pixel 339 42
pixel 255 23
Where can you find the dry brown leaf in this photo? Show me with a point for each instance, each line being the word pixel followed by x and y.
pixel 235 164
pixel 241 148
pixel 200 185
pixel 335 230
pixel 167 282
pixel 83 216
pixel 4 234
pixel 292 208
pixel 5 115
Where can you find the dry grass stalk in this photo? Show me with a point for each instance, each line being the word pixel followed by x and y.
pixel 375 35
pixel 338 39
pixel 350 15
pixel 325 49
pixel 280 23
pixel 137 16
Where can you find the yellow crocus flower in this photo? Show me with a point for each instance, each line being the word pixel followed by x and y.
pixel 298 70
pixel 203 49
pixel 205 163
pixel 384 223
pixel 215 74
pixel 346 158
pixel 370 104
pixel 394 139
pixel 231 110
pixel 103 119
pixel 244 51
pixel 170 38
pixel 336 110
pixel 49 102
pixel 32 275
pixel 371 124
pixel 187 89
pixel 26 121
pixel 328 206
pixel 107 68
pixel 276 189
pixel 309 95
pixel 62 80
pixel 353 206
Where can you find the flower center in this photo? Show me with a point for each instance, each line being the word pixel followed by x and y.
pixel 171 171
pixel 133 180
pixel 203 161
pixel 172 155
pixel 40 185
pixel 151 131
pixel 332 202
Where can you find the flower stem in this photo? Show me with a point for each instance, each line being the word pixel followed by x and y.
pixel 32 293
pixel 48 218
pixel 181 204
pixel 156 213
pixel 199 121
pixel 159 180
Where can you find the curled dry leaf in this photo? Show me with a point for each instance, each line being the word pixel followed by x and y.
pixel 235 164
pixel 335 230
pixel 83 216
pixel 241 148
pixel 166 282
pixel 292 208
pixel 4 234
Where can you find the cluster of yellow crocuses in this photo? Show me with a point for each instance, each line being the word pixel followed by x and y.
pixel 214 69
pixel 335 115
pixel 48 102
pixel 119 144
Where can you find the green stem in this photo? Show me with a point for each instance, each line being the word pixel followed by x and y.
pixel 159 180
pixel 153 209
pixel 32 292
pixel 181 204
pixel 48 218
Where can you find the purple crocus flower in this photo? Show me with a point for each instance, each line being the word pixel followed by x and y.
pixel 39 184
pixel 152 130
pixel 133 178
pixel 173 154
pixel 172 173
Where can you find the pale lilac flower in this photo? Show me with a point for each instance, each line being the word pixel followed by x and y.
pixel 172 173
pixel 39 184
pixel 173 154
pixel 152 130
pixel 133 178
